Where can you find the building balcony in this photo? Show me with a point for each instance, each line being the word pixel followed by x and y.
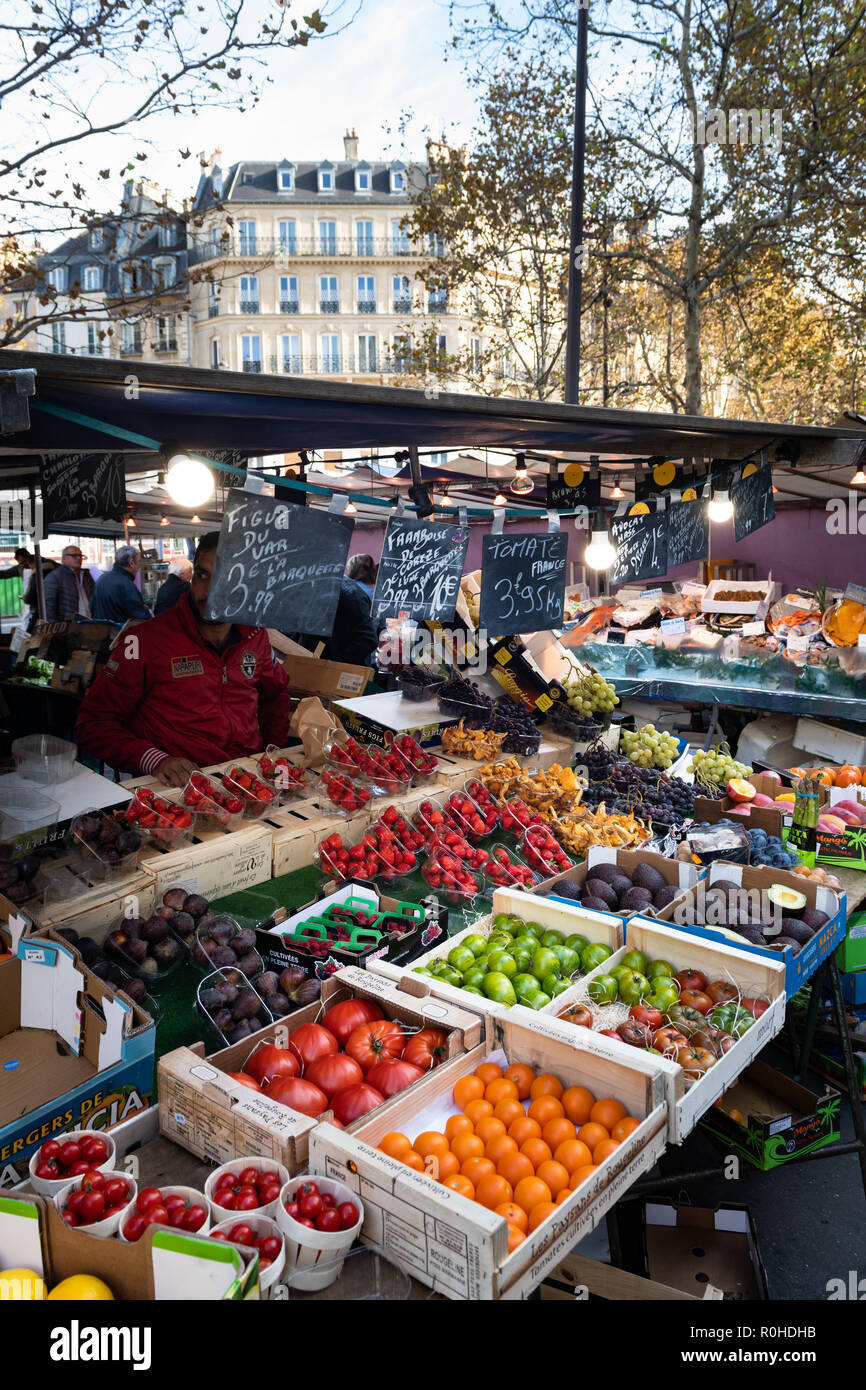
pixel 130 349
pixel 366 306
pixel 166 345
pixel 252 366
pixel 289 306
pixel 213 310
pixel 249 306
pixel 272 248
pixel 329 306
pixel 401 306
pixel 437 306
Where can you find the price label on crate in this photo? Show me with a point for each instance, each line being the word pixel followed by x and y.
pixel 798 643
pixel 672 625
pixel 751 629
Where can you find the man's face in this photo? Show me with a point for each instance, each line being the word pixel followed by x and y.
pixel 135 563
pixel 72 557
pixel 200 584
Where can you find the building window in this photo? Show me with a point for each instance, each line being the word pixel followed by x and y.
pixel 131 338
pixel 286 181
pixel 329 296
pixel 94 342
pixel 402 294
pixel 215 353
pixel 366 294
pixel 362 180
pixel 291 350
pixel 328 238
pixel 441 348
pixel 166 337
pixel 247 233
pixel 364 238
pixel 58 337
pixel 402 352
pixel 249 294
pixel 249 178
pixel 57 278
pixel 326 178
pixel 20 307
pixel 93 277
pixel 437 299
pixel 289 294
pixel 166 234
pixel 130 279
pixel 213 301
pixel 435 244
pixel 330 352
pixel 399 239
pixel 97 238
pixel 438 460
pixel 163 273
pixel 288 237
pixel 475 355
pixel 367 357
pixel 398 179
pixel 251 352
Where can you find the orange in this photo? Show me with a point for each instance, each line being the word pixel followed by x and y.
pixel 515 1167
pixel 514 1215
pixel 536 1151
pixel 523 1128
pixel 529 1192
pixel 493 1191
pixel 555 1132
pixel 545 1108
pixel 489 1127
pixel 466 1089
pixel 573 1154
pixel 604 1150
pixel 431 1142
pixel 449 1164
pixel 458 1124
pixel 540 1213
pixel 508 1111
pixel 623 1128
pixel 395 1144
pixel 515 1238
pixel 522 1076
pixel 413 1160
pixel 578 1102
pixel 581 1174
pixel 479 1109
pixel 500 1090
pixel 488 1071
pixel 555 1174
pixel 546 1084
pixel 608 1112
pixel 462 1185
pixel 590 1134
pixel 563 1196
pixel 470 1146
pixel 500 1147
pixel 477 1168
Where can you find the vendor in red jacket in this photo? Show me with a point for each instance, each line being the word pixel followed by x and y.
pixel 180 692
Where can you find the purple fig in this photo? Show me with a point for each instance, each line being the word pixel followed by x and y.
pixel 246 1005
pixel 267 984
pixel 222 1019
pixel 244 941
pixel 250 964
pixel 195 905
pixel 155 929
pixel 174 898
pixel 227 989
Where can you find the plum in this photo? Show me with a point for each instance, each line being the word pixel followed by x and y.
pixel 154 929
pixel 250 964
pixel 244 941
pixel 267 984
pixel 223 955
pixel 195 905
pixel 246 1005
pixel 174 898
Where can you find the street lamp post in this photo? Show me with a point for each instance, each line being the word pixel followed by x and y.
pixel 577 254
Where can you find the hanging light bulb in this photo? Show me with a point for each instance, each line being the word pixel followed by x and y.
pixel 617 494
pixel 499 500
pixel 351 509
pixel 189 483
pixel 721 507
pixel 600 553
pixel 859 478
pixel 522 482
pixel 195 521
pixel 131 521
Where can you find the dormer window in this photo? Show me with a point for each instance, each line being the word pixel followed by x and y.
pixel 285 179
pixel 362 178
pixel 398 178
pixel 57 277
pixel 163 272
pixel 165 233
pixel 97 238
pixel 326 178
pixel 249 178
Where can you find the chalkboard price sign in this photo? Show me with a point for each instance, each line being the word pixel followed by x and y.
pixel 82 487
pixel 522 582
pixel 420 569
pixel 278 566
pixel 642 546
pixel 574 488
pixel 753 502
pixel 688 532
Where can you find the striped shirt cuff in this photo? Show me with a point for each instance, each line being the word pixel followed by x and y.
pixel 151 760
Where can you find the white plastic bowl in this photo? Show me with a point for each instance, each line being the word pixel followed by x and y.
pixel 237 1165
pixel 261 1226
pixel 313 1258
pixel 44 758
pixel 110 1225
pixel 46 1187
pixel 193 1196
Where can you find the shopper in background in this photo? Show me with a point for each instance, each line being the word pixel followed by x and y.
pixel 69 590
pixel 363 569
pixel 354 638
pixel 175 586
pixel 116 598
pixel 23 567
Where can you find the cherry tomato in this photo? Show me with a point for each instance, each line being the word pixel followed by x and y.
pixel 91 1207
pixel 311 1205
pixel 305 1221
pixel 76 1169
pixel 293 1210
pixel 148 1197
pixel 94 1149
pixel 328 1219
pixel 225 1198
pixel 269 1247
pixel 194 1218
pixel 69 1153
pixel 328 1200
pixel 349 1215
pixel 115 1190
pixel 174 1202
pixel 249 1177
pixel 48 1168
pixel 241 1234
pixel 134 1226
pixel 156 1216
pixel 247 1199
pixel 72 1220
pixel 50 1149
pixel 218 1235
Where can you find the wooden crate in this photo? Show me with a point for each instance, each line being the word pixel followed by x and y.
pixel 215 867
pixel 91 906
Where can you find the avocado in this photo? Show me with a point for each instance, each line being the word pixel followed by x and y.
pixel 608 872
pixel 782 942
pixel 600 888
pixel 798 931
pixel 645 876
pixel 790 900
pixel 619 885
pixel 566 888
pixel 727 886
pixel 665 895
pixel 636 899
pixel 753 934
pixel 596 904
pixel 811 917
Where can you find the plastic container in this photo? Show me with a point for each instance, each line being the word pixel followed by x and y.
pixel 260 1226
pixel 49 1187
pixel 119 978
pixel 109 1225
pixel 314 1259
pixel 166 828
pixel 193 1197
pixel 437 872
pixel 338 758
pixel 548 858
pixel 424 764
pixel 244 950
pixel 237 1165
pixel 23 811
pixel 515 816
pixel 467 821
pixel 291 783
pixel 152 968
pixel 505 877
pixel 209 801
pixel 44 758
pixel 213 1011
pixel 418 691
pixel 384 781
pixel 367 1274
pixel 258 798
pixel 342 795
pixel 89 853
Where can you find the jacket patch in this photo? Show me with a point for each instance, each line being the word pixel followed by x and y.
pixel 248 664
pixel 187 666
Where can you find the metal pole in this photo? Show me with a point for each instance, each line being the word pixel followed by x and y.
pixel 576 249
pixel 37 568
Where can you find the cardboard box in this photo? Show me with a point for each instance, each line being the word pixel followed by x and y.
pixel 565 917
pixel 374 718
pixel 759 818
pixel 606 1281
pixel 690 1248
pixel 215 868
pixel 91 908
pixel 309 675
pixel 759 879
pixel 851 955
pixel 163 1265
pixel 673 871
pixel 204 1110
pixel 452 1244
pixel 847 850
pixel 754 977
pixel 783 1120
pixel 74 1054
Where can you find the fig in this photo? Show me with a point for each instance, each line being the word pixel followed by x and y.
pixel 240 1031
pixel 244 941
pixel 246 1005
pixel 150 965
pixel 174 898
pixel 88 950
pixel 222 1019
pixel 307 993
pixel 204 922
pixel 278 1004
pixel 227 990
pixel 69 934
pixel 133 925
pixel 222 931
pixel 267 984
pixel 8 873
pixel 88 827
pixel 234 976
pixel 109 831
pixel 183 924
pixel 128 841
pixel 134 990
pixel 195 905
pixel 291 978
pixel 250 964
pixel 108 855
pixel 28 867
pixel 167 950
pixel 136 949
pixel 223 955
pixel 154 929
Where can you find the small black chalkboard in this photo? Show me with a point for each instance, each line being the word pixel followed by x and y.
pixel 420 569
pixel 563 495
pixel 278 566
pixel 81 487
pixel 753 502
pixel 642 546
pixel 688 532
pixel 522 582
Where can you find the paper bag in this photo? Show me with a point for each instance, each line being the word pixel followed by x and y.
pixel 315 727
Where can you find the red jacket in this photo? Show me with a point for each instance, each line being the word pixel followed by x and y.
pixel 164 692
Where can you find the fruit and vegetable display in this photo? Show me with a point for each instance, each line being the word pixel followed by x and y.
pixel 467 742
pixel 517 962
pixel 96 1196
pixel 649 747
pixel 17 875
pixel 715 767
pixel 110 837
pixel 254 793
pixel 285 776
pixel 589 694
pixel 212 802
pixel 71 1156
pixel 519 1143
pixel 611 888
pixel 155 1206
pixel 777 918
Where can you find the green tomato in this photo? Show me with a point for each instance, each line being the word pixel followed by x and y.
pixel 499 988
pixel 525 987
pixel 475 943
pixel 662 999
pixel 502 963
pixel 552 938
pixel 502 921
pixel 595 954
pixel 549 983
pixel 470 989
pixel 450 976
pixel 543 962
pixel 602 990
pixel 569 961
pixel 633 987
pixel 540 1000
pixel 559 987
pixel 474 976
pixel 534 929
pixel 422 970
pixel 659 967
pixel 499 941
pixel 576 942
pixel 618 971
pixel 461 958
pixel 636 960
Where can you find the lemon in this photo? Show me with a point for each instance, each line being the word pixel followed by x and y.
pixel 81 1288
pixel 21 1285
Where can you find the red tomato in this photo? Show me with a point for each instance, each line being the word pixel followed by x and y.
pixel 248 1177
pixel 634 1033
pixel 116 1190
pixel 194 1218
pixel 148 1197
pixel 393 1074
pixel 328 1220
pixel 156 1216
pixel 580 1015
pixel 241 1234
pixel 355 1101
pixel 342 1019
pixel 94 1149
pixel 695 999
pixel 69 1217
pixel 48 1169
pixel 311 1205
pixel 427 1048
pixel 334 1073
pixel 134 1226
pixel 653 1018
pixel 300 1095
pixel 269 1247
pixel 721 992
pixel 756 1007
pixel 247 1199
pixel 310 1041
pixel 269 1062
pixel 174 1202
pixel 370 1042
pixel 70 1153
pixel 293 1210
pixel 691 980
pixel 349 1215
pixel 305 1221
pixel 91 1208
pixel 93 1180
pixel 245 1080
pixel 50 1149
pixel 76 1169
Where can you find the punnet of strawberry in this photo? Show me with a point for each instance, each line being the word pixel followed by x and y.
pixel 422 762
pixel 255 794
pixel 508 870
pixel 453 842
pixel 473 819
pixel 343 792
pixel 543 851
pixel 211 800
pixel 410 836
pixel 516 816
pixel 164 821
pixel 285 776
pixel 449 877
